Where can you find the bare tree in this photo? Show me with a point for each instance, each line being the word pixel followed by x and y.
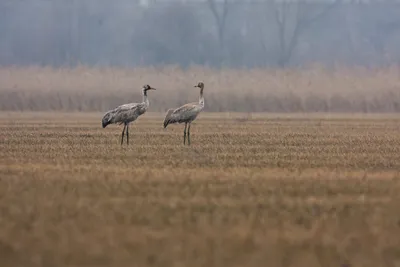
pixel 220 20
pixel 292 18
pixel 386 26
pixel 73 7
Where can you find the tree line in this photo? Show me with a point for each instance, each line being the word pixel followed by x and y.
pixel 224 33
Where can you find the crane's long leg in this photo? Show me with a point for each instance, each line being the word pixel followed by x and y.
pixel 188 134
pixel 127 134
pixel 123 132
pixel 184 134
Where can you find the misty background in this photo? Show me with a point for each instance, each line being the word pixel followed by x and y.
pixel 218 33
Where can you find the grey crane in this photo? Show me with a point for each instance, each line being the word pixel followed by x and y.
pixel 127 113
pixel 186 113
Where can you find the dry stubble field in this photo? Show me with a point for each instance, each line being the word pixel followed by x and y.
pixel 265 190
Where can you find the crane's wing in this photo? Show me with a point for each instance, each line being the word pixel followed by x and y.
pixel 167 117
pixel 184 108
pixel 120 114
pixel 180 114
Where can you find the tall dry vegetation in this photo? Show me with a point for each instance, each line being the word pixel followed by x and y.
pixel 310 89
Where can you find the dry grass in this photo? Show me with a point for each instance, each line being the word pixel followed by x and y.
pixel 276 190
pixel 257 90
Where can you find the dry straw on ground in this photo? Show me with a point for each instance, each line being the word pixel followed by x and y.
pixel 276 190
pixel 256 90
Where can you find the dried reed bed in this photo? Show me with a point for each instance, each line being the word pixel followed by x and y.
pixel 311 89
pixel 287 190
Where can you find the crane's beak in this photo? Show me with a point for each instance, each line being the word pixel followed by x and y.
pixel 151 88
pixel 196 85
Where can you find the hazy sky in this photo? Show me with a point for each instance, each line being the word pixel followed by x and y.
pixel 260 33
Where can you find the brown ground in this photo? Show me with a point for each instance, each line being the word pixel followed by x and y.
pixel 265 190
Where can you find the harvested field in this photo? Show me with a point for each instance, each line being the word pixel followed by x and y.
pixel 252 190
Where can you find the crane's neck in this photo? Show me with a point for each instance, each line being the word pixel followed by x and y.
pixel 201 98
pixel 145 99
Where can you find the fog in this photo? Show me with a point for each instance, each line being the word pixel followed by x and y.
pixel 217 33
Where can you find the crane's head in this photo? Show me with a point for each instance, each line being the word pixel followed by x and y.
pixel 201 86
pixel 147 88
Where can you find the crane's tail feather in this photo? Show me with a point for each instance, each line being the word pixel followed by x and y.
pixel 104 124
pixel 106 120
pixel 167 119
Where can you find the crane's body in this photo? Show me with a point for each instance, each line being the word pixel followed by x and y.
pixel 186 113
pixel 127 113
